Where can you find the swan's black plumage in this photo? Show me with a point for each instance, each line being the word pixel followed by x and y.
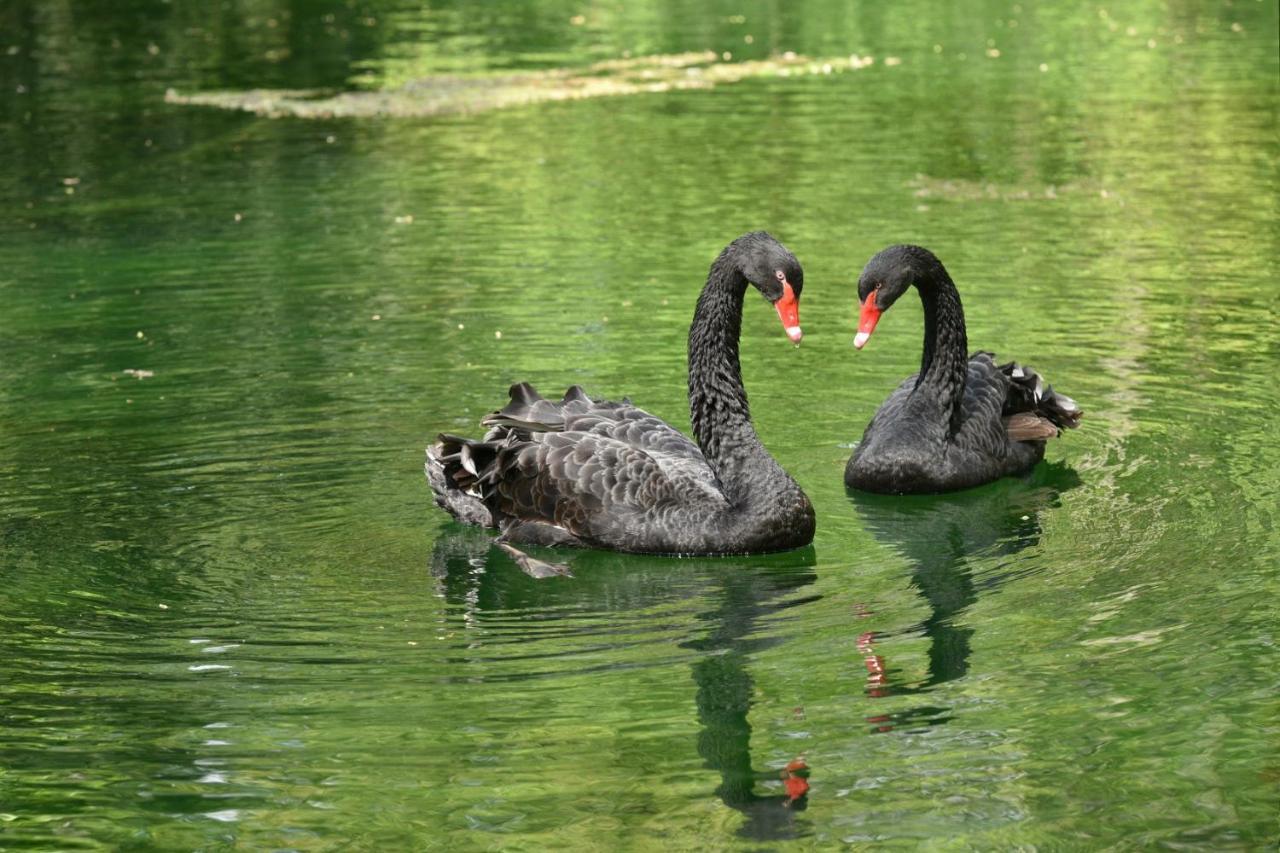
pixel 603 474
pixel 961 421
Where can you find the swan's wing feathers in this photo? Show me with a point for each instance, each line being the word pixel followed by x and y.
pixel 530 412
pixel 1028 426
pixel 1061 409
pixel 575 468
pixel 985 388
pixel 1029 393
pixel 581 481
pixel 575 394
pixel 981 406
pixel 527 410
pixel 1025 388
pixel 456 456
pixel 633 426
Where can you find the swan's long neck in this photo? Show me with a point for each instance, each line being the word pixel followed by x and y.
pixel 718 406
pixel 944 364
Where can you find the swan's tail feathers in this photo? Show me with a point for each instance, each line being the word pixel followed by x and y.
pixel 531 412
pixel 457 469
pixel 1048 411
pixel 1061 409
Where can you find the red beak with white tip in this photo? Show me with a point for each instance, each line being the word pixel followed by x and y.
pixel 789 312
pixel 867 321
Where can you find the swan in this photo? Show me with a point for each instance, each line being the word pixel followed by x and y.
pixel 962 420
pixel 593 473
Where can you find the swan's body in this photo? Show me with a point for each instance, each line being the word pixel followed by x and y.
pixel 961 421
pixel 601 474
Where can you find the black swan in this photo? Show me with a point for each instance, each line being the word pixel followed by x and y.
pixel 601 474
pixel 961 421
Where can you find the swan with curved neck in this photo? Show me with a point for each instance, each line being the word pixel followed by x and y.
pixel 602 474
pixel 961 421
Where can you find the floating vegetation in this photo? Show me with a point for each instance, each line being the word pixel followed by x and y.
pixel 448 94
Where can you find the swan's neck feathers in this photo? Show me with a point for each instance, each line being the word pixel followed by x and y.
pixel 718 408
pixel 944 362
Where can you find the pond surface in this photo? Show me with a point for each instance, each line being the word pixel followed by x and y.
pixel 232 616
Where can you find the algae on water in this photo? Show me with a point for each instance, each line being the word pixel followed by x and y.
pixel 447 94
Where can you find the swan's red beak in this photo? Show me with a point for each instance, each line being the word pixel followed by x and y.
pixel 867 321
pixel 789 312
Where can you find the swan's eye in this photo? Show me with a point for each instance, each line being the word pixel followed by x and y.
pixel 780 275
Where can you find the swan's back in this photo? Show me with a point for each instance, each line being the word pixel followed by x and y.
pixel 1005 415
pixel 578 471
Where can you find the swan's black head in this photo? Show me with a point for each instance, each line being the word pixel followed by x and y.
pixel 886 277
pixel 771 269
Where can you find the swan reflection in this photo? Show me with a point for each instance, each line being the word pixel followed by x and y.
pixel 610 595
pixel 958 545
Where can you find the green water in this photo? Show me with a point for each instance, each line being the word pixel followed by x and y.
pixel 231 616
